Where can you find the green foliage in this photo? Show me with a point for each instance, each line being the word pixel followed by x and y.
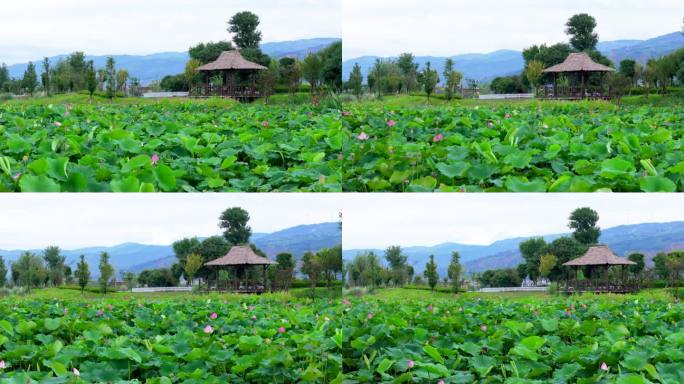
pixel 507 84
pixel 365 270
pixel 91 79
pixel 175 83
pixel 29 271
pixel 564 249
pixel 583 223
pixel 55 263
pixel 429 79
pixel 430 272
pixel 234 222
pixel 192 264
pixel 161 277
pixel 110 78
pixel 546 264
pixel 409 72
pixel 638 258
pixel 106 272
pixel 208 52
pixel 507 277
pixel 397 264
pixel 82 273
pixel 331 57
pixel 244 26
pixel 3 272
pixel 580 27
pixel 455 270
pixel 356 81
pixel 30 79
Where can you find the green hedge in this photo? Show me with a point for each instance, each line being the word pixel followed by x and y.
pixel 663 284
pixel 439 288
pixel 284 89
pixel 321 284
pixel 637 91
pixel 89 288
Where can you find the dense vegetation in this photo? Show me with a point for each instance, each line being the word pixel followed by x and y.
pixel 217 339
pixel 582 339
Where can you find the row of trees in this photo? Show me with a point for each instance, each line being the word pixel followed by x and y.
pixel 368 270
pixel 72 74
pixel 50 269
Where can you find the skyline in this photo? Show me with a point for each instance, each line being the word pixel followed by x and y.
pixel 149 26
pixel 431 27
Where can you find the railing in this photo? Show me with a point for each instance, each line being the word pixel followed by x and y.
pixel 238 286
pixel 233 91
pixel 597 285
pixel 577 92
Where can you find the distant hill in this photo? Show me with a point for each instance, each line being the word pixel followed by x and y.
pixel 149 68
pixel 648 238
pixel 137 257
pixel 485 67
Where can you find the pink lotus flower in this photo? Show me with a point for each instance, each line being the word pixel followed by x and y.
pixel 251 308
pixel 362 136
pixel 2 364
pixel 76 372
pixel 281 330
pixel 391 123
pixel 208 329
pixel 110 307
pixel 440 382
pixel 483 328
pixel 213 315
pixel 253 317
pixel 346 301
pixel 346 113
pixel 100 312
pixel 411 363
pixel 155 159
pixel 490 124
pixel 66 311
pixel 568 313
pixel 437 138
pixel 430 308
pixel 264 124
pixel 507 116
pixel 572 307
pixel 604 366
pixel 369 316
pixel 58 124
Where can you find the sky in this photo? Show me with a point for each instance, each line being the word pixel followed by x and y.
pixel 380 220
pixel 451 27
pixel 31 221
pixel 30 30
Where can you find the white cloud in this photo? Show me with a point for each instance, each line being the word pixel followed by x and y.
pixel 32 29
pixel 448 27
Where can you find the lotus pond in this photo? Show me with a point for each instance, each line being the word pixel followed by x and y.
pixel 447 339
pixel 518 147
pixel 236 340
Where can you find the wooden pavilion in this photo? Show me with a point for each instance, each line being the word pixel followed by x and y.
pixel 595 265
pixel 578 69
pixel 239 258
pixel 238 77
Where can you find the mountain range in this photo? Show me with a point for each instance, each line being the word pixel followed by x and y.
pixel 647 238
pixel 137 257
pixel 486 66
pixel 152 67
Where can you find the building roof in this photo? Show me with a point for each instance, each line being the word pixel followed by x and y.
pixel 241 255
pixel 230 60
pixel 599 255
pixel 578 62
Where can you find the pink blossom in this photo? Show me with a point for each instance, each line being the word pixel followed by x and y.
pixel 16 176
pixel 100 312
pixel 572 307
pixel 208 329
pixel 110 307
pixel 362 136
pixel 391 123
pixel 346 113
pixel 76 372
pixel 265 124
pixel 213 315
pixel 155 159
pixel 568 313
pixel 66 311
pixel 440 382
pixel 369 316
pixel 411 363
pixel 437 138
pixel 604 366
pixel 251 308
pixel 281 330
pixel 346 301
pixel 483 328
pixel 507 116
pixel 58 124
pixel 429 308
pixel 490 124
pixel 2 364
pixel 253 317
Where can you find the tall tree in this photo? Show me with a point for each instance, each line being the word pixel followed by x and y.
pixel 285 260
pixel 106 272
pixel 397 263
pixel 581 31
pixel 453 78
pixel 82 273
pixel 331 73
pixel 409 72
pixel 234 222
pixel 30 79
pixel 638 258
pixel 628 68
pixel 455 271
pixel 28 271
pixel 583 221
pixel 429 78
pixel 534 73
pixel 208 52
pixel 4 76
pixel 531 250
pixel 291 73
pixel 110 78
pixel 356 81
pixel 55 264
pixel 546 264
pixel 192 265
pixel 45 76
pixel 331 262
pixel 244 27
pixel 3 272
pixel 182 248
pixel 312 70
pixel 122 81
pixel 90 79
pixel 312 268
pixel 430 273
pixel 565 249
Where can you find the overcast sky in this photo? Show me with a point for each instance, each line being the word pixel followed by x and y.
pixel 451 27
pixel 380 220
pixel 32 29
pixel 80 220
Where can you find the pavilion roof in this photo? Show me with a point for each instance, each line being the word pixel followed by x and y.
pixel 241 255
pixel 599 255
pixel 578 62
pixel 230 60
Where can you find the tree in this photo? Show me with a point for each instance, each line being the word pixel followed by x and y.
pixel 55 264
pixel 311 267
pixel 500 278
pixel 208 52
pixel 122 81
pixel 106 272
pixel 429 79
pixel 30 79
pixel 210 249
pixel 638 258
pixel 581 31
pixel 507 84
pixel 332 65
pixel 531 251
pixel 129 279
pixel 4 77
pixel 285 261
pixel 234 222
pixel 192 265
pixel 244 27
pixel 82 273
pixel 267 79
pixel 397 263
pixel 90 79
pixel 583 221
pixel 291 73
pixel 45 76
pixel 68 275
pixel 409 72
pixel 430 273
pixel 565 249
pixel 534 72
pixel 356 81
pixel 546 264
pixel 331 262
pixel 312 70
pixel 453 78
pixel 28 271
pixel 3 272
pixel 628 68
pixel 110 78
pixel 455 270
pixel 183 248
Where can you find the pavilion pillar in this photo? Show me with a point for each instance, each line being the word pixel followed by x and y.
pixel 584 91
pixel 555 85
